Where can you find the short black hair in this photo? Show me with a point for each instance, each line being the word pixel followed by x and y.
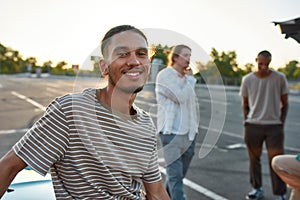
pixel 118 29
pixel 265 53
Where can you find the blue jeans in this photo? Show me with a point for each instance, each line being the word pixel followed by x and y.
pixel 178 154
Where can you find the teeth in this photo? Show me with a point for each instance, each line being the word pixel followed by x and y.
pixel 133 73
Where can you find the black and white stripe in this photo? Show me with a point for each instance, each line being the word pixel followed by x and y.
pixel 93 152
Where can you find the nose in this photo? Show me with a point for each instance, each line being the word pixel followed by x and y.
pixel 264 66
pixel 133 60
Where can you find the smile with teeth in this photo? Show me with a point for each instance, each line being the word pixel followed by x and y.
pixel 133 74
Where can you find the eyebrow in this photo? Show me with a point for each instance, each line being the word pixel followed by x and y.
pixel 127 48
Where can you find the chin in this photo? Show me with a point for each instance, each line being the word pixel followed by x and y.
pixel 138 89
pixel 132 90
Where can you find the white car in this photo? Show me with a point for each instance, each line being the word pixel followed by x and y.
pixel 29 185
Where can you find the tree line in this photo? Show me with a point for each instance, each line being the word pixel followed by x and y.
pixel 225 64
pixel 12 62
pixel 222 64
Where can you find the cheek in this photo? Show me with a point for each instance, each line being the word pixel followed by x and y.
pixel 147 68
pixel 118 62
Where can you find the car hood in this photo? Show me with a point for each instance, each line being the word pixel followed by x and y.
pixel 30 185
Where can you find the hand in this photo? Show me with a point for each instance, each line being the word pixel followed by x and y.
pixel 188 71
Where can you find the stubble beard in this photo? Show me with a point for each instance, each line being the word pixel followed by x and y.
pixel 129 90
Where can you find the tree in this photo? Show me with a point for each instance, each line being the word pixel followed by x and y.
pixel 296 74
pixel 227 66
pixel 47 66
pixel 59 68
pixel 61 64
pixel 248 68
pixel 30 64
pixel 161 52
pixel 10 60
pixel 291 70
pixel 226 62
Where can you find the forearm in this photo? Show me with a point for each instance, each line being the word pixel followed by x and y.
pixel 245 111
pixel 177 95
pixel 5 180
pixel 156 191
pixel 10 165
pixel 158 196
pixel 175 90
pixel 245 106
pixel 284 111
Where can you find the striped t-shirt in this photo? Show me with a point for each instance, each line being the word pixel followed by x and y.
pixel 92 151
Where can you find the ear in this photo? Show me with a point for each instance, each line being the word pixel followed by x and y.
pixel 103 67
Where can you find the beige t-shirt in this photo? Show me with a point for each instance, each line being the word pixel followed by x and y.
pixel 264 96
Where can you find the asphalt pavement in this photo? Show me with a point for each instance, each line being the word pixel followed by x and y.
pixel 219 169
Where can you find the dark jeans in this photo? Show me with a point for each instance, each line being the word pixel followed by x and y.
pixel 273 136
pixel 178 153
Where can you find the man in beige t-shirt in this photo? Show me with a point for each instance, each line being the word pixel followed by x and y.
pixel 265 105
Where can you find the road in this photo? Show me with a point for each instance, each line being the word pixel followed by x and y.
pixel 218 171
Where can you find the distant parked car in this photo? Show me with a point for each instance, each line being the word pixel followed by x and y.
pixel 29 185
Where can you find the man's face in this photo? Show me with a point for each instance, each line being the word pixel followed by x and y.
pixel 183 58
pixel 263 64
pixel 128 61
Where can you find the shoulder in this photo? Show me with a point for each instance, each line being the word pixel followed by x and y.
pixel 144 115
pixel 167 74
pixel 278 77
pixel 84 98
pixel 141 112
pixel 278 74
pixel 85 94
pixel 165 71
pixel 164 75
pixel 249 76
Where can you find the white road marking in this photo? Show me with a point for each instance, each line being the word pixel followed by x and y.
pixel 36 104
pixel 12 131
pixel 242 137
pixel 236 146
pixel 197 187
pixel 215 102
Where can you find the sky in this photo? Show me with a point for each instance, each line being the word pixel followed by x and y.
pixel 71 30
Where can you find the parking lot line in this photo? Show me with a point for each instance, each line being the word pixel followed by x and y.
pixel 36 104
pixel 197 187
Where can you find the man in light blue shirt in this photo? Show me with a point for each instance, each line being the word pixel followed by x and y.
pixel 177 118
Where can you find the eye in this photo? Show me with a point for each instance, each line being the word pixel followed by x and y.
pixel 123 54
pixel 142 53
pixel 186 55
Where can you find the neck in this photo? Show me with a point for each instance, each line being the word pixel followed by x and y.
pixel 179 69
pixel 263 74
pixel 117 100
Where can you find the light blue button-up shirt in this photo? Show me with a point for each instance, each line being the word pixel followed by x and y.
pixel 178 110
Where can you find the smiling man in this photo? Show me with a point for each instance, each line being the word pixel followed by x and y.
pixel 97 144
